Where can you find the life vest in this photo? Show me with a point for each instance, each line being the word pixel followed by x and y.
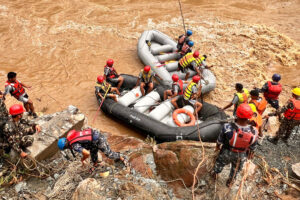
pixel 186 60
pixel 241 140
pixel 243 97
pixel 104 86
pixel 295 113
pixel 257 120
pixel 18 89
pixel 181 39
pixel 180 84
pixel 112 72
pixel 80 136
pixel 146 77
pixel 185 48
pixel 199 60
pixel 188 90
pixel 260 105
pixel 273 91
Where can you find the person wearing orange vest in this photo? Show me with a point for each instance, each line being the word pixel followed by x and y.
pixel 16 89
pixel 236 142
pixel 241 96
pixel 186 48
pixel 183 39
pixel 259 102
pixel 102 88
pixel 188 62
pixel 291 119
pixel 256 120
pixel 272 90
pixel 145 79
pixel 88 142
pixel 177 88
pixel 111 75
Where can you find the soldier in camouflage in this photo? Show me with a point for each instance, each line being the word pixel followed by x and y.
pixel 18 131
pixel 3 118
pixel 291 117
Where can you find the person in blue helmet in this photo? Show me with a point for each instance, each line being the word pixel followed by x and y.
pixel 184 38
pixel 187 48
pixel 89 142
pixel 272 90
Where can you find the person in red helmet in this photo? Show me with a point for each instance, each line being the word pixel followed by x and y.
pixel 189 62
pixel 111 75
pixel 190 95
pixel 236 142
pixel 103 87
pixel 18 130
pixel 16 89
pixel 145 79
pixel 177 88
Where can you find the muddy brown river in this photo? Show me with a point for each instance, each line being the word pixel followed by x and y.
pixel 60 46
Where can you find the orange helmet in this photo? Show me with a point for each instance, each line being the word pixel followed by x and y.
pixel 196 54
pixel 244 111
pixel 196 78
pixel 100 79
pixel 175 77
pixel 147 68
pixel 16 109
pixel 110 62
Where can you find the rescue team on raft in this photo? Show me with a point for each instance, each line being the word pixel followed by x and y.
pixel 236 142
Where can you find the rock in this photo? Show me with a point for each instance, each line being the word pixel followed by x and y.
pixel 72 109
pixel 87 190
pixel 20 186
pixel 296 169
pixel 138 162
pixel 56 176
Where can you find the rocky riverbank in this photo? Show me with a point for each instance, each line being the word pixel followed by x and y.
pixel 158 171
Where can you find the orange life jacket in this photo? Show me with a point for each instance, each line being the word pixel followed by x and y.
pixel 295 113
pixel 18 89
pixel 261 105
pixel 80 136
pixel 180 84
pixel 181 39
pixel 273 91
pixel 185 48
pixel 241 141
pixel 257 120
pixel 112 73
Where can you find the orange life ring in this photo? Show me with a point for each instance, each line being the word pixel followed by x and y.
pixel 181 110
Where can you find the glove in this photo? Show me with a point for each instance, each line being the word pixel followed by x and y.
pixel 23 154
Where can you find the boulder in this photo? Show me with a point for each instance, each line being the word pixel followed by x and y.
pixel 143 163
pixel 87 190
pixel 296 169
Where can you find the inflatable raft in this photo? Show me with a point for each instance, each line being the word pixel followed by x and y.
pixel 159 51
pixel 153 116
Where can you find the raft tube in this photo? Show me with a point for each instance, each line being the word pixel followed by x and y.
pixel 211 117
pixel 163 50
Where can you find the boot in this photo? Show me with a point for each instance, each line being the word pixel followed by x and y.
pixel 273 140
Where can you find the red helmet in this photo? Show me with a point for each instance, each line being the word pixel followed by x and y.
pixel 175 77
pixel 71 132
pixel 16 109
pixel 196 78
pixel 244 111
pixel 147 68
pixel 100 79
pixel 110 62
pixel 196 54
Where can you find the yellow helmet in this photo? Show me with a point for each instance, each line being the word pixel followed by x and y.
pixel 253 107
pixel 296 91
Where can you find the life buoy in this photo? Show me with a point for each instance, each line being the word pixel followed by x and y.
pixel 181 110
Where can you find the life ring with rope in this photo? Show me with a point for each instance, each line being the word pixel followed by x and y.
pixel 184 111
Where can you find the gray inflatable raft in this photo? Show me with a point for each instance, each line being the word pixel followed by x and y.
pixel 163 50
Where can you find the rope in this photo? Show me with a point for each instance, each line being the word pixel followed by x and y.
pixel 182 16
pixel 100 105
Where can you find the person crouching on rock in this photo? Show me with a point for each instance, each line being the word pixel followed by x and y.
pixel 18 131
pixel 102 87
pixel 89 142
pixel 145 80
pixel 238 141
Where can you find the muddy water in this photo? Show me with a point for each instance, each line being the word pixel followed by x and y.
pixel 59 47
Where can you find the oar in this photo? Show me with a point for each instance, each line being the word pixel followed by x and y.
pixel 101 104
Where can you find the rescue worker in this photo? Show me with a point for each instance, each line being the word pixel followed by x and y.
pixel 201 63
pixel 177 88
pixel 188 62
pixel 18 131
pixel 89 142
pixel 3 119
pixel 111 75
pixel 190 95
pixel 259 102
pixel 16 89
pixel 272 90
pixel 236 142
pixel 145 79
pixel 103 87
pixel 184 38
pixel 186 48
pixel 291 117
pixel 241 96
pixel 256 120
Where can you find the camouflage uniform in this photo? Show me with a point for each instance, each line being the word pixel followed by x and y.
pixel 98 142
pixel 227 156
pixel 3 114
pixel 18 134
